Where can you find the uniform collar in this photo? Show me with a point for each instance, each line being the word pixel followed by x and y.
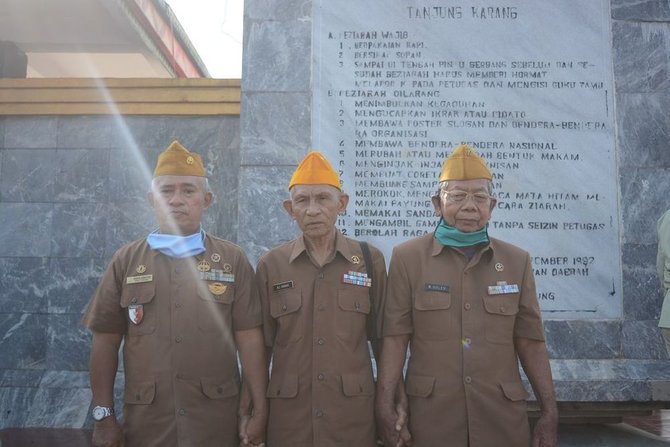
pixel 341 246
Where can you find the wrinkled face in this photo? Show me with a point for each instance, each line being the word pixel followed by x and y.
pixel 469 212
pixel 315 208
pixel 179 202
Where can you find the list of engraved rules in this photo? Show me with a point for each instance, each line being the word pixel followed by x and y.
pixel 398 84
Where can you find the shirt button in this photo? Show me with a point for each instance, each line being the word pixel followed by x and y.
pixel 319 413
pixel 137 397
pixel 467 340
pixel 320 275
pixel 284 307
pixel 176 270
pixel 320 376
pixel 468 379
pixel 178 339
pixel 467 306
pixel 134 300
pixel 182 412
pixel 177 305
pixel 219 389
pixel 321 341
pixel 502 309
pixel 320 307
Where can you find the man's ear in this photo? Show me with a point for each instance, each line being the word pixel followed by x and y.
pixel 493 205
pixel 209 198
pixel 344 201
pixel 288 206
pixel 436 205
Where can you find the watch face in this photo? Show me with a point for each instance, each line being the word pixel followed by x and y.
pixel 99 413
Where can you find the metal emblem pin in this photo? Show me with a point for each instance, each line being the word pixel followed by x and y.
pixel 217 288
pixel 216 257
pixel 227 268
pixel 499 267
pixel 141 268
pixel 189 160
pixel 203 266
pixel 355 259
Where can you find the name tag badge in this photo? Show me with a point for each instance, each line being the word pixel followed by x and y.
pixel 429 287
pixel 217 275
pixel 282 285
pixel 502 288
pixel 139 279
pixel 357 279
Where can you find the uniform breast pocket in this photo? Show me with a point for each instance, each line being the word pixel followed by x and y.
pixel 139 305
pixel 285 309
pixel 353 307
pixel 215 306
pixel 432 314
pixel 501 313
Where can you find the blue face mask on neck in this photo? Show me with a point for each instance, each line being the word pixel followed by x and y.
pixel 177 246
pixel 453 237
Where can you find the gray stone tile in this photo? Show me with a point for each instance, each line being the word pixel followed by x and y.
pixel 641 60
pixel 643 129
pixel 80 230
pixel 28 175
pixel 23 344
pixel 127 221
pixel 141 133
pixel 68 343
pixel 130 175
pixel 278 10
pixel 643 340
pixel 73 281
pixel 264 223
pixel 15 403
pixel 642 294
pixel 205 135
pixel 24 284
pixel 643 200
pixel 30 132
pixel 25 229
pixel 82 175
pixel 642 10
pixel 65 379
pixel 575 339
pixel 20 378
pixel 271 62
pixel 276 128
pixel 72 407
pixel 87 132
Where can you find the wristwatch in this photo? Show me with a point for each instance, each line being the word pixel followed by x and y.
pixel 100 413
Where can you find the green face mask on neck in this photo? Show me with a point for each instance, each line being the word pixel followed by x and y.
pixel 453 237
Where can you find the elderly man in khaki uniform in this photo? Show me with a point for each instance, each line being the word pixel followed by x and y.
pixel 663 268
pixel 467 304
pixel 320 294
pixel 184 303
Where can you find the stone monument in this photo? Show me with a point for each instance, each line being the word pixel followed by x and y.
pixel 559 97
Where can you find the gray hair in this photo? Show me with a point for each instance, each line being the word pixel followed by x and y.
pixel 205 184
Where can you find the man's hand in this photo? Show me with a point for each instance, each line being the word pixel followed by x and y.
pixel 545 432
pixel 392 422
pixel 252 429
pixel 107 433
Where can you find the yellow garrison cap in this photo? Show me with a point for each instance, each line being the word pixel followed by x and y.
pixel 177 160
pixel 314 169
pixel 464 164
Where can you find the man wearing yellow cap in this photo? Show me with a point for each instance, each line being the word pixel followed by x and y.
pixel 184 302
pixel 467 304
pixel 320 295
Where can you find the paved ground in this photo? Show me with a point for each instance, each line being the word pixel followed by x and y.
pixel 652 431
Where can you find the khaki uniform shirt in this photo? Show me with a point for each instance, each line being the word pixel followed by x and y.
pixel 181 372
pixel 463 377
pixel 663 266
pixel 321 387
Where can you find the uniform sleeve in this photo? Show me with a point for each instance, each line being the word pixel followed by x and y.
pixel 246 307
pixel 104 312
pixel 529 320
pixel 397 312
pixel 375 318
pixel 269 325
